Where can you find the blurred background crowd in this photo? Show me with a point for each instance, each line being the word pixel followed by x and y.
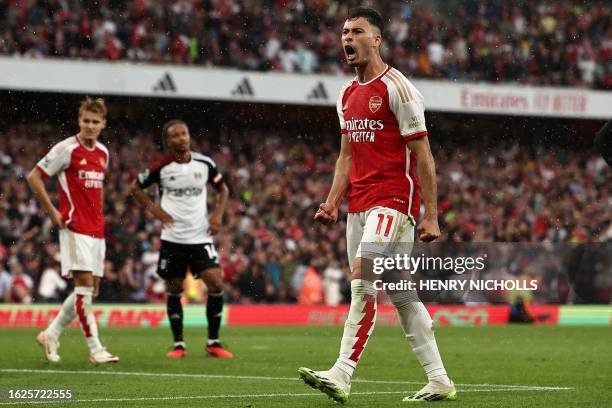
pixel 270 248
pixel 500 179
pixel 563 43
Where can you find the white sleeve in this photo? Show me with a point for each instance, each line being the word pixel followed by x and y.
pixel 339 107
pixel 105 150
pixel 56 160
pixel 409 109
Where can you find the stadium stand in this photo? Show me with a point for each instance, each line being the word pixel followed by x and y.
pixel 565 43
pixel 488 192
pixel 517 191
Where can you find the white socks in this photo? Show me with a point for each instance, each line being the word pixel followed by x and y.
pixel 86 318
pixel 357 328
pixel 418 327
pixel 66 315
pixel 78 304
pixel 414 319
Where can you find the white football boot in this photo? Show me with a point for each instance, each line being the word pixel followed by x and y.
pixel 434 391
pixel 50 346
pixel 324 381
pixel 102 356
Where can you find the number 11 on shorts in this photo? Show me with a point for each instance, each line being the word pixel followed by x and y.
pixel 381 220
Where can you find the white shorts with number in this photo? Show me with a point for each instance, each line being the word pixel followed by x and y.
pixel 81 253
pixel 380 231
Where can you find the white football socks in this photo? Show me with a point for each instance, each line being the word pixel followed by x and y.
pixel 418 327
pixel 86 317
pixel 65 316
pixel 357 328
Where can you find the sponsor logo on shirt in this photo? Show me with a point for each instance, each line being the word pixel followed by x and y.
pixel 364 124
pixel 363 130
pixel 93 179
pixel 184 192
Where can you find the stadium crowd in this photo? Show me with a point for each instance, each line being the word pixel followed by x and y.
pixel 270 248
pixel 566 43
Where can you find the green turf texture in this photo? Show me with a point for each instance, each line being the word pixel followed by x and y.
pixel 577 357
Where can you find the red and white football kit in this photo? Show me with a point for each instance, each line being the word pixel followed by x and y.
pixel 379 117
pixel 80 172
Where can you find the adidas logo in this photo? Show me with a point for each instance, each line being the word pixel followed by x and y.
pixel 243 88
pixel 165 84
pixel 318 92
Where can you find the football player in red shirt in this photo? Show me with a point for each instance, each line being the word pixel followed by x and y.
pixel 80 163
pixel 385 163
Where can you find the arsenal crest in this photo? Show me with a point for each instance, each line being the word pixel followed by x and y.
pixel 102 162
pixel 375 103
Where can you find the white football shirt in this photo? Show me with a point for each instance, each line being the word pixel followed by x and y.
pixel 183 195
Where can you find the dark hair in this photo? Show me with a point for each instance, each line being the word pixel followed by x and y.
pixel 167 127
pixel 373 17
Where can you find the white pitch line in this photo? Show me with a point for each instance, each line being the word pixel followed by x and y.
pixel 228 396
pixel 253 377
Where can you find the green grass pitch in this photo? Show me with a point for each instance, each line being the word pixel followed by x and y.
pixel 506 366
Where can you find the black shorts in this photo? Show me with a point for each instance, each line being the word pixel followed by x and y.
pixel 174 259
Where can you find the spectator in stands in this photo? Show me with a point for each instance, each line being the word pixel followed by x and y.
pixel 132 281
pixel 110 285
pixel 485 194
pixel 253 284
pixel 20 290
pixel 5 285
pixel 537 42
pixel 51 285
pixel 333 277
pixel 311 291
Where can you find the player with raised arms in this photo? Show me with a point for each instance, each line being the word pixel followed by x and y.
pixel 80 163
pixel 385 162
pixel 187 242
